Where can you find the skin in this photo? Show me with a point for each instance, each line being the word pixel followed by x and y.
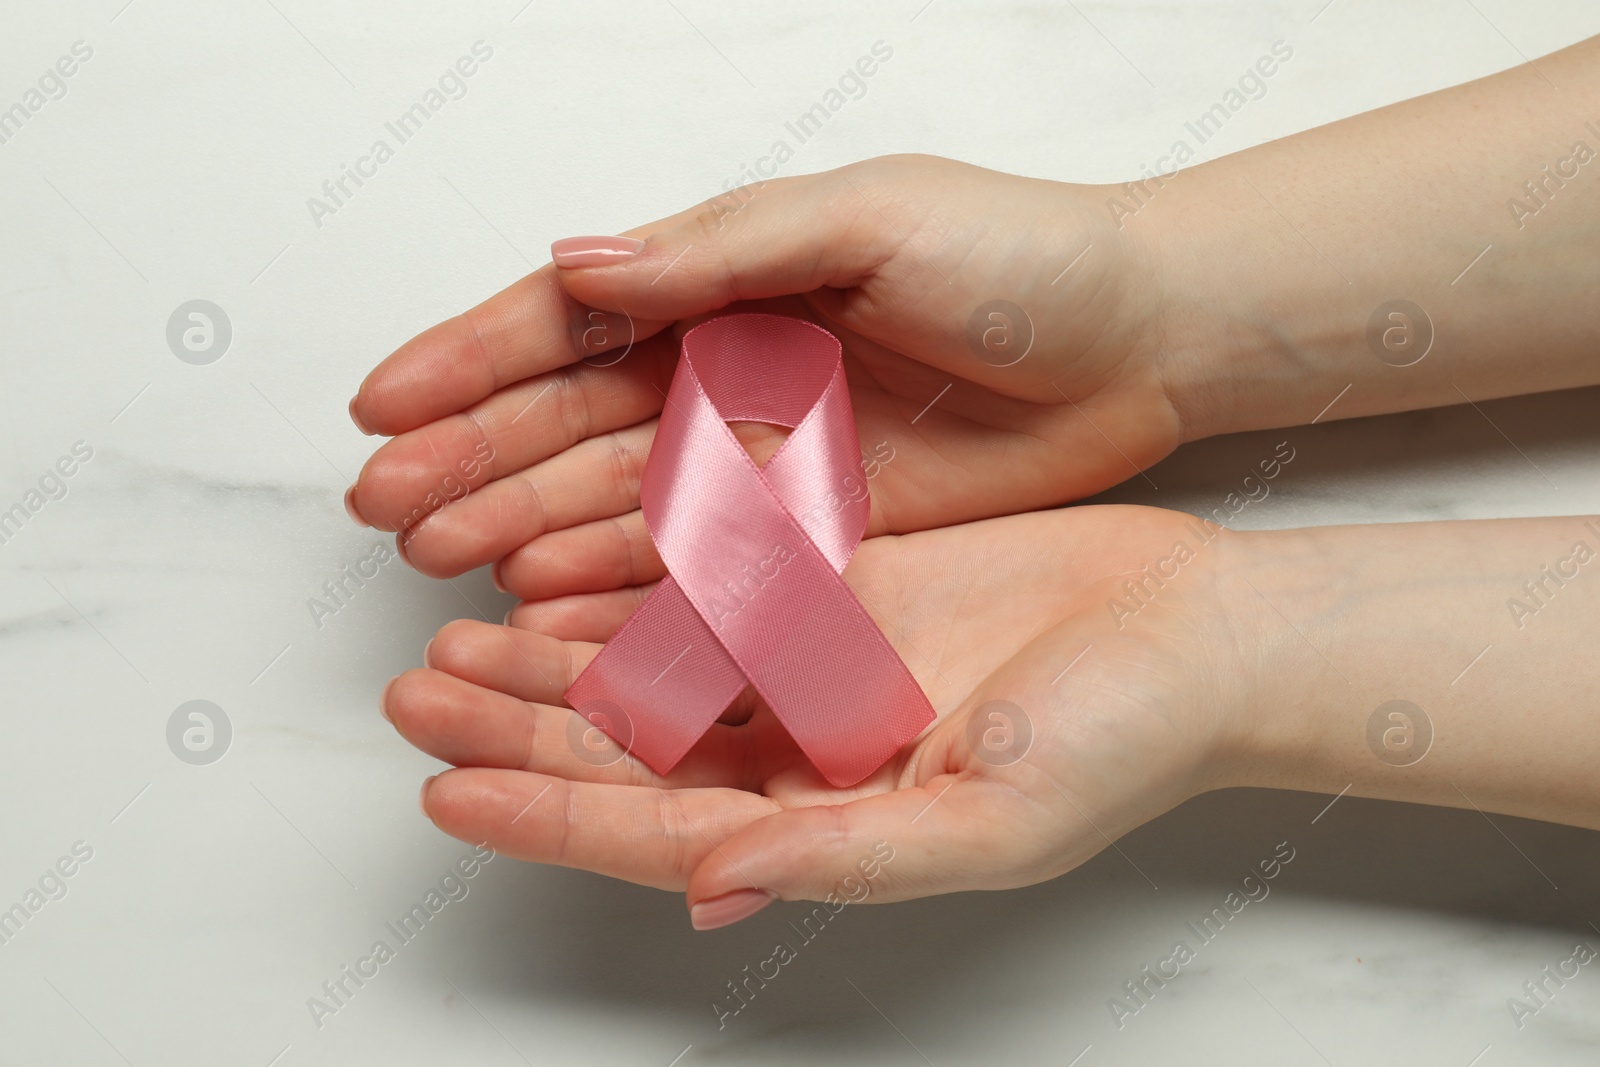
pixel 1238 297
pixel 1123 736
pixel 566 471
pixel 1259 663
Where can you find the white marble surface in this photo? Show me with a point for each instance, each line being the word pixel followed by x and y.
pixel 177 567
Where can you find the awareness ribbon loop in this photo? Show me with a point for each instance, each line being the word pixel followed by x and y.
pixel 753 554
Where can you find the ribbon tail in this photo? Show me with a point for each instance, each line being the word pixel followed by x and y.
pixel 660 682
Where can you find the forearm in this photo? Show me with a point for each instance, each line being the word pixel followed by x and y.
pixel 1274 260
pixel 1488 627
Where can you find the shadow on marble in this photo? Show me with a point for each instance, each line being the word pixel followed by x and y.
pixel 583 939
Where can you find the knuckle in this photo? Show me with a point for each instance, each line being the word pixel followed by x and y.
pixel 481 350
pixel 627 554
pixel 673 827
pixel 530 741
pixel 712 233
pixel 561 847
pixel 537 514
pixel 625 462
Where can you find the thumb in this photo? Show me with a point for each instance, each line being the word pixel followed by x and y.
pixel 784 236
pixel 954 833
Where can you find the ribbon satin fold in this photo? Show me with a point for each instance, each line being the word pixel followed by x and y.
pixel 754 554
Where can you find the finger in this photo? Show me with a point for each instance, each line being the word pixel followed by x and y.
pixel 593 558
pixel 508 432
pixel 789 235
pixel 502 663
pixel 470 725
pixel 595 479
pixel 953 833
pixel 643 834
pixel 519 663
pixel 587 617
pixel 539 669
pixel 529 328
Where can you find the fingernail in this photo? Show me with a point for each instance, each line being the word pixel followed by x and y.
pixel 593 251
pixel 729 908
pixel 422 797
pixel 357 418
pixel 400 548
pixel 383 700
pixel 350 507
pixel 426 662
pixel 494 576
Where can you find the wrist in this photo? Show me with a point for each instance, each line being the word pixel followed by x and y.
pixel 1282 593
pixel 1257 699
pixel 1383 660
pixel 1297 283
pixel 1250 332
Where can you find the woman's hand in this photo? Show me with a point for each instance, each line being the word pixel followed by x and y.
pixel 1283 284
pixel 967 408
pixel 1063 723
pixel 1091 667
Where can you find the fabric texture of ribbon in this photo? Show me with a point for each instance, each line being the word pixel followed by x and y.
pixel 753 555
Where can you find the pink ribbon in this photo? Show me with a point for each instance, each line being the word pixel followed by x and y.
pixel 754 554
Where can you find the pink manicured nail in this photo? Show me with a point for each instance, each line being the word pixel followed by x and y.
pixel 357 418
pixel 593 251
pixel 729 908
pixel 350 507
pixel 422 797
pixel 383 700
pixel 426 662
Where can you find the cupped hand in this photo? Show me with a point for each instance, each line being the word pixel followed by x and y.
pixel 1063 723
pixel 999 337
